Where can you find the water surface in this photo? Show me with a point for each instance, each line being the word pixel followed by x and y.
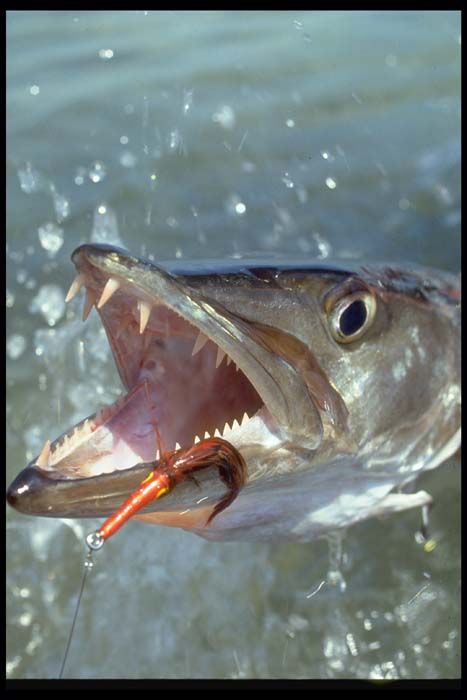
pixel 193 135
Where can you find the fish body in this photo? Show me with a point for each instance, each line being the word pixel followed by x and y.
pixel 338 384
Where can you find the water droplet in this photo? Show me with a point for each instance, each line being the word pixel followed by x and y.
pixel 288 182
pixel 80 175
pixel 128 159
pixel 234 205
pixel 106 54
pixel 49 302
pixel 124 140
pixel 97 172
pixel 404 204
pixel 61 206
pixel 331 183
pixel 12 665
pixel 34 89
pixel 290 123
pixel 187 100
pixel 105 226
pixel 352 647
pixel 10 299
pixel 50 238
pixel 248 166
pixel 25 619
pixel 337 580
pixel 298 622
pixel 224 116
pixel 443 193
pixel 30 179
pixel 175 140
pixel 15 346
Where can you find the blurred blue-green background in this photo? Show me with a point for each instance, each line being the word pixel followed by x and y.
pixel 205 134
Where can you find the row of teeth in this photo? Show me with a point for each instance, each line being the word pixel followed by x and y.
pixel 100 417
pixel 78 434
pixel 90 425
pixel 144 308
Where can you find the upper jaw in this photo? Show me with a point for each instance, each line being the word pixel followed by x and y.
pixel 80 473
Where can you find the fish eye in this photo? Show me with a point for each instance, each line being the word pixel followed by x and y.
pixel 351 316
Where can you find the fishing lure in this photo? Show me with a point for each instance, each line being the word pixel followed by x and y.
pixel 171 470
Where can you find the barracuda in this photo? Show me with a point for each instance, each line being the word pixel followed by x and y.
pixel 337 384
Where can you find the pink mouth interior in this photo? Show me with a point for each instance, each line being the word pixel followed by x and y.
pixel 171 392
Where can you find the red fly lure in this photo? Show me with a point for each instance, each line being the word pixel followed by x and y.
pixel 172 469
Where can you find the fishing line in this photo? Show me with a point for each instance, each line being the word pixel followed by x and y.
pixel 88 564
pixel 172 468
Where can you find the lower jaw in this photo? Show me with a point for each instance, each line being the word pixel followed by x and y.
pixel 188 519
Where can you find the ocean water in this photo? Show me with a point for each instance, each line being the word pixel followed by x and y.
pixel 204 134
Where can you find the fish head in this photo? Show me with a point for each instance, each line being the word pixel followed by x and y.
pixel 336 384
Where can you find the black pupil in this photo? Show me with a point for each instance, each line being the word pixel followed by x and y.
pixel 353 318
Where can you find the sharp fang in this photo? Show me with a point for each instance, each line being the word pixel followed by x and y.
pixel 229 360
pixel 88 303
pixel 110 288
pixel 43 459
pixel 196 440
pixel 235 424
pixel 144 313
pixel 217 433
pixel 219 357
pixel 158 455
pixel 206 435
pixel 76 285
pixel 178 446
pixel 245 418
pixel 226 428
pixel 200 342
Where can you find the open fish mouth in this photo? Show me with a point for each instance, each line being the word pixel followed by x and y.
pixel 181 384
pixel 181 360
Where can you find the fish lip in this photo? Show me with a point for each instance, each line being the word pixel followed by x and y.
pixel 50 496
